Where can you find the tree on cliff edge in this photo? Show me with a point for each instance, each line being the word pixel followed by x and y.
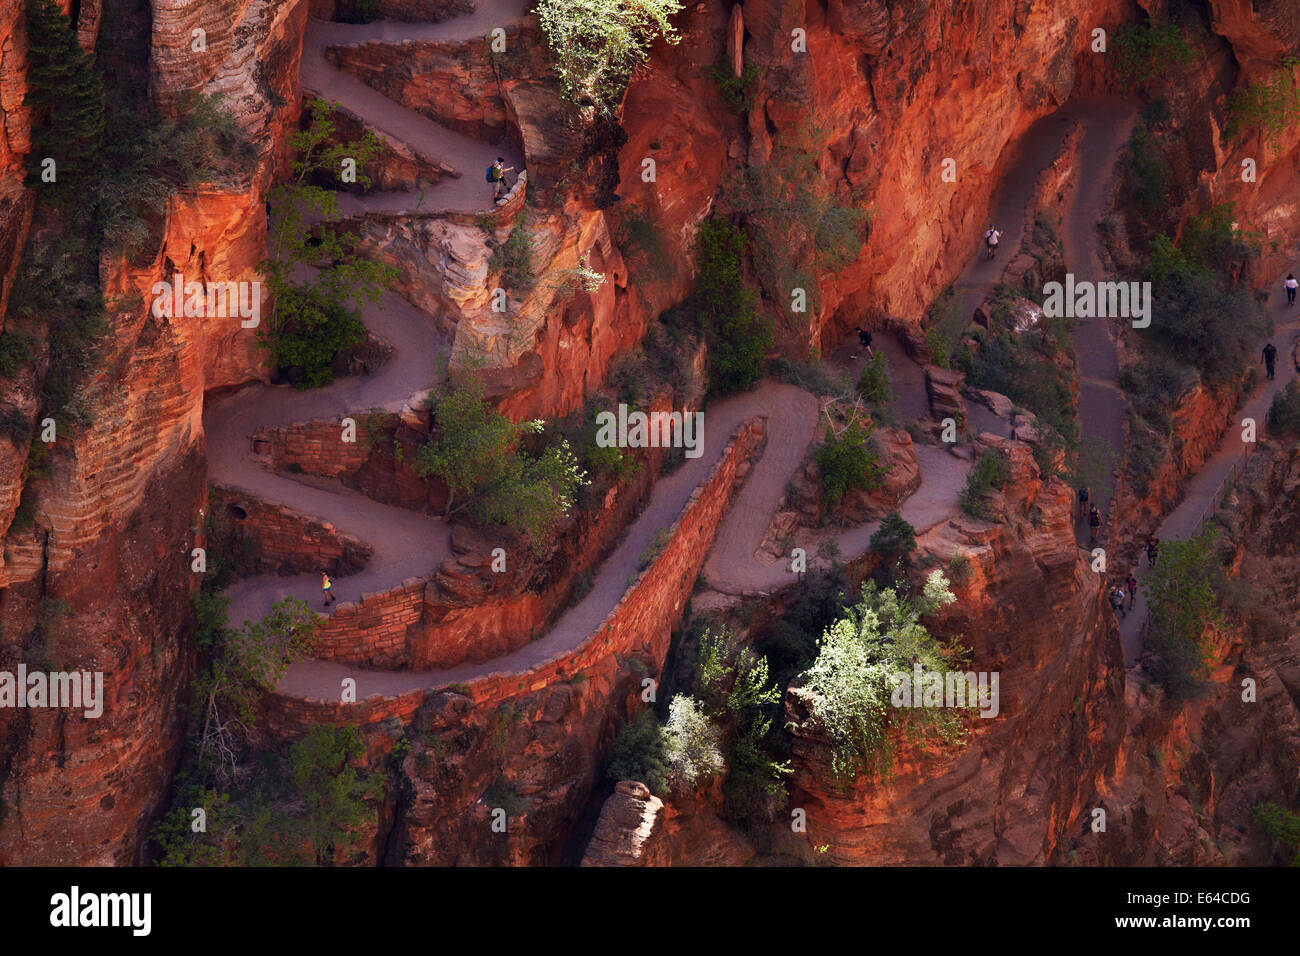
pixel 597 44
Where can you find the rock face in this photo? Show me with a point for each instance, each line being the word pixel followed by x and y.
pixel 628 832
pixel 102 581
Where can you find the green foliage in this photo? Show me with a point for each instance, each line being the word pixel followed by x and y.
pixel 860 659
pixel 15 352
pixel 1026 367
pixel 597 44
pixel 991 471
pixel 726 309
pixel 333 794
pixel 938 346
pixel 1150 173
pixel 639 753
pixel 641 240
pixel 315 330
pixel 874 383
pixel 848 461
pixel 692 742
pixel 1284 413
pixel 312 321
pixel 1270 106
pixel 66 92
pixel 1182 593
pixel 1282 826
pixel 895 536
pixel 478 452
pixel 240 664
pixel 798 227
pixel 736 91
pixel 513 259
pixel 1144 51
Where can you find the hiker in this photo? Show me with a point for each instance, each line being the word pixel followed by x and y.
pixel 1083 503
pixel 991 239
pixel 496 175
pixel 864 341
pixel 326 585
pixel 1270 356
pixel 1132 583
pixel 1153 550
pixel 1094 523
pixel 1290 284
pixel 1117 601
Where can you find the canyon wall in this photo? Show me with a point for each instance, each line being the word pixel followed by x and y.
pixel 102 580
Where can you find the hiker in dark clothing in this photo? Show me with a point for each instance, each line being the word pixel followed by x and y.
pixel 1132 583
pixel 1094 523
pixel 1153 550
pixel 1270 357
pixel 864 341
pixel 1083 503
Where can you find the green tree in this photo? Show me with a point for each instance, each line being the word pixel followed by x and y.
pixel 597 44
pixel 847 461
pixel 66 91
pixel 727 309
pixel 639 753
pixel 874 384
pixel 241 664
pixel 860 660
pixel 991 471
pixel 335 800
pixel 1284 413
pixel 895 536
pixel 1182 593
pixel 479 454
pixel 312 320
pixel 693 742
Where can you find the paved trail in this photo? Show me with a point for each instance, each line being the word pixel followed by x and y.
pixel 407 544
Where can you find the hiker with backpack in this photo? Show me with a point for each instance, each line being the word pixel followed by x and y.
pixel 1153 550
pixel 991 239
pixel 1094 524
pixel 1132 583
pixel 496 175
pixel 1083 503
pixel 1117 601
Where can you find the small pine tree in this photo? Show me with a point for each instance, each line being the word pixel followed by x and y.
pixel 67 95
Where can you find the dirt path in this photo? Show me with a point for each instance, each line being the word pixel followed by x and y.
pixel 405 543
pixel 1102 406
pixel 465 189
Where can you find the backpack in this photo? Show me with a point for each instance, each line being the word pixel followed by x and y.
pixel 490 178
